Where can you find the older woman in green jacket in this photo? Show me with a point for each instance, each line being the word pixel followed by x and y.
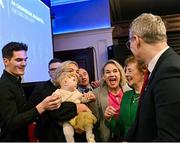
pixel 134 72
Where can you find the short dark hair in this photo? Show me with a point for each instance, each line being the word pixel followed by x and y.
pixel 8 49
pixel 54 60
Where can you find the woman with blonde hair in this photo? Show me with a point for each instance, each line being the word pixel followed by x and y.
pixel 67 66
pixel 109 96
pixel 80 123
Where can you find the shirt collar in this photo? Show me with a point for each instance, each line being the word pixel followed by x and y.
pixel 153 62
pixel 85 89
pixel 11 77
pixel 53 82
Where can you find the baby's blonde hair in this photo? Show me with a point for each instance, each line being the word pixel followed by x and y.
pixel 64 76
pixel 61 69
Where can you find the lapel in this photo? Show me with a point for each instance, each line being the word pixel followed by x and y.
pixel 101 99
pixel 167 53
pixel 103 94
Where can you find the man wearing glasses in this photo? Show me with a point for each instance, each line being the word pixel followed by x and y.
pixel 158 118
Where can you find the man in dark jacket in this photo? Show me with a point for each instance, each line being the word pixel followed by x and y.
pixel 16 113
pixel 157 117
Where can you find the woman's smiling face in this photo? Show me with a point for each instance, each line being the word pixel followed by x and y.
pixel 111 76
pixel 133 75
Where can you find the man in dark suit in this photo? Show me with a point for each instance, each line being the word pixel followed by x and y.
pixel 158 117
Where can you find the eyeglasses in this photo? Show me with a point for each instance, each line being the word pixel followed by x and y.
pixel 52 69
pixel 128 43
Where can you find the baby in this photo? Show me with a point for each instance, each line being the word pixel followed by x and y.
pixel 84 121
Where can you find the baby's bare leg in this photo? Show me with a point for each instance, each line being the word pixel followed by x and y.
pixel 89 134
pixel 68 132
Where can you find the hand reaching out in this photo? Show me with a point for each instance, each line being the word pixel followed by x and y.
pixel 82 108
pixel 90 96
pixel 95 84
pixel 49 103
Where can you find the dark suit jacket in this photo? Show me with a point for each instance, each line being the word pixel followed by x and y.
pixel 47 129
pixel 158 116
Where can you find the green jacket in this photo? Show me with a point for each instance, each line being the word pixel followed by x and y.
pixel 127 115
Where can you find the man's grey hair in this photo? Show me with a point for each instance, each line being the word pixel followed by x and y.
pixel 149 27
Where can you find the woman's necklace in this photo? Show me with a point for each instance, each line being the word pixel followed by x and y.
pixel 135 97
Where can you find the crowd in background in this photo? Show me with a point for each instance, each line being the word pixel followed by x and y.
pixel 136 102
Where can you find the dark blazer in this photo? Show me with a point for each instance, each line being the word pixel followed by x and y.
pixel 47 129
pixel 158 116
